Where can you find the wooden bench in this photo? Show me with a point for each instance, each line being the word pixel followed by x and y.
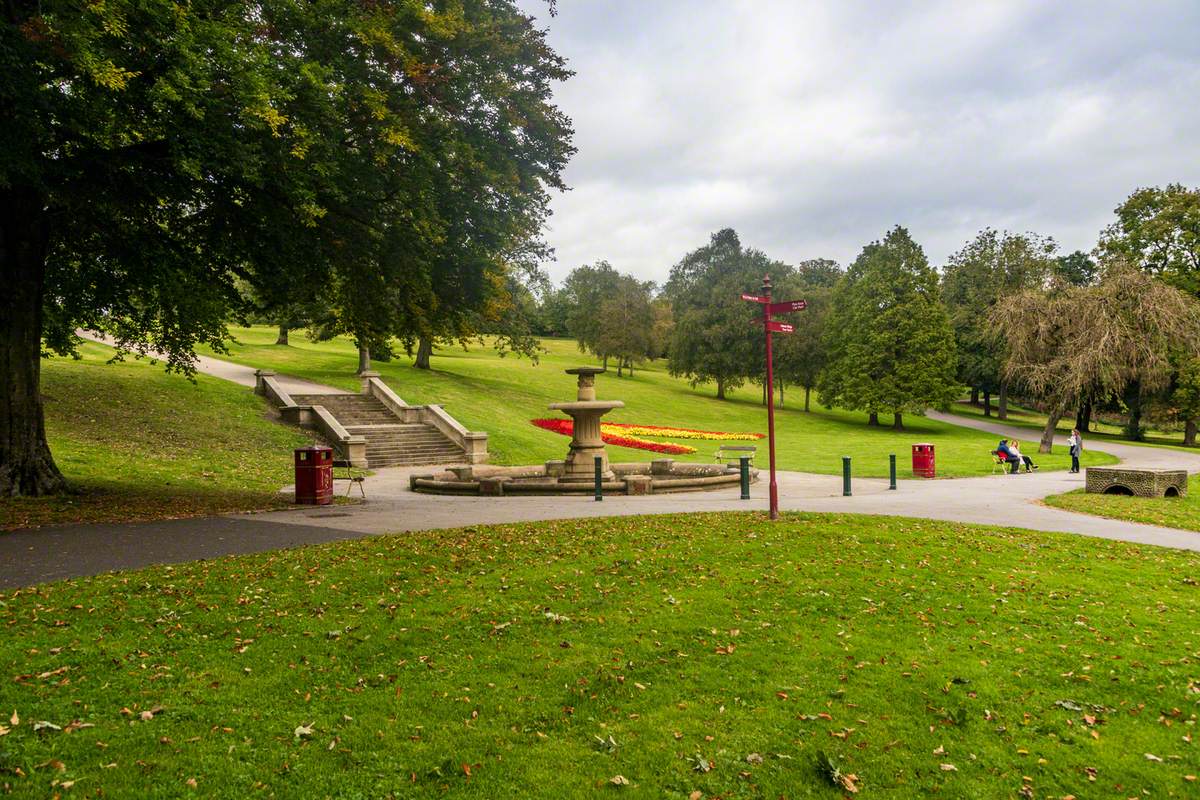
pixel 729 452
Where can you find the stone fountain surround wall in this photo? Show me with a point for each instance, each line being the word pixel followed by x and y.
pixel 660 476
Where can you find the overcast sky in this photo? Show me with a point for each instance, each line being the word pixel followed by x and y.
pixel 813 127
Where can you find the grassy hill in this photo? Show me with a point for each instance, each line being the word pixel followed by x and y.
pixel 141 444
pixel 501 396
pixel 714 655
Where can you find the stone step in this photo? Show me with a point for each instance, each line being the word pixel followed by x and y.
pixel 405 437
pixel 414 451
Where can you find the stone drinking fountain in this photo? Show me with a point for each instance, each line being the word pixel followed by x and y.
pixel 577 473
pixel 586 443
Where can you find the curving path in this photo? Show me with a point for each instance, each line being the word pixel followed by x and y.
pixel 29 557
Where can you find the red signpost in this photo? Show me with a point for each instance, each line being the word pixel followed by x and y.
pixel 769 326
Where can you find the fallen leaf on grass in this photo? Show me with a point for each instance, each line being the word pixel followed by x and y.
pixel 1151 757
pixel 149 713
pixel 16 719
pixel 303 731
pixel 948 768
pixel 43 725
pixel 619 780
pixel 830 769
pixel 754 758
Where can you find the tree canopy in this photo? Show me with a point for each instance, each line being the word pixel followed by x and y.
pixel 714 338
pixel 1158 231
pixel 153 154
pixel 1120 335
pixel 890 345
pixel 979 276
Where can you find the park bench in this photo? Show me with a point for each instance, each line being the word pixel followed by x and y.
pixel 729 452
pixel 999 462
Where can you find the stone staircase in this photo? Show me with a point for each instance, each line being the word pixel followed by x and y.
pixel 390 442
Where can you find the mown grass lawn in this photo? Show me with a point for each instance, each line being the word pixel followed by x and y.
pixel 141 444
pixel 501 396
pixel 1172 512
pixel 714 654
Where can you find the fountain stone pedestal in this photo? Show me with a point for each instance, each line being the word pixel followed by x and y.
pixel 586 443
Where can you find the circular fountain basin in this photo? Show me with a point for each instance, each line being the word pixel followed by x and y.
pixel 660 476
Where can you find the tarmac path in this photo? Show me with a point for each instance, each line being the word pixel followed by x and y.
pixel 53 553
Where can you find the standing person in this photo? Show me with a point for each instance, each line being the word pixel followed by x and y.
pixel 1075 444
pixel 1014 447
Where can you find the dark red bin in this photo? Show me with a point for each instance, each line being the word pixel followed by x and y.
pixel 314 475
pixel 923 464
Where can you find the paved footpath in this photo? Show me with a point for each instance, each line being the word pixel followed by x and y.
pixel 28 557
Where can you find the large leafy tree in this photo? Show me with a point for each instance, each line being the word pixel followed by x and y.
pixel 584 291
pixel 627 323
pixel 1158 231
pixel 155 153
pixel 800 357
pixel 714 337
pixel 1121 335
pixel 977 278
pixel 890 344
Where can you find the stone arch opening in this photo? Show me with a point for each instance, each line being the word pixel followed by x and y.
pixel 1171 492
pixel 1117 488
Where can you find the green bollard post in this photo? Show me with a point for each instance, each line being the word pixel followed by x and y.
pixel 745 477
pixel 892 471
pixel 599 478
pixel 845 476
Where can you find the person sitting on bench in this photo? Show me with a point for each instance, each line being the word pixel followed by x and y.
pixel 1009 456
pixel 1014 449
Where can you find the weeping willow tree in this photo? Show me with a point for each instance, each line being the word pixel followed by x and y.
pixel 1118 336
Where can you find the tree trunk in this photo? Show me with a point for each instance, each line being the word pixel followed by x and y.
pixel 873 419
pixel 620 366
pixel 282 338
pixel 629 366
pixel 807 391
pixel 1083 416
pixel 1002 403
pixel 897 421
pixel 720 389
pixel 764 393
pixel 364 359
pixel 424 352
pixel 1189 433
pixel 781 394
pixel 1133 401
pixel 26 467
pixel 974 396
pixel 606 362
pixel 1047 442
pixel 987 403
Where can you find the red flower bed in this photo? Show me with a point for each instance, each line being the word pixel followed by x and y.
pixel 566 427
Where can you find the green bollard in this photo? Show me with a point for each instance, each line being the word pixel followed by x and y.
pixel 845 476
pixel 745 477
pixel 892 471
pixel 599 478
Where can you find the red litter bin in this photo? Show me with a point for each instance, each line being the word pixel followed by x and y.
pixel 923 461
pixel 314 475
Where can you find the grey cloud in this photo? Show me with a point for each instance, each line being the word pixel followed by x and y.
pixel 814 127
